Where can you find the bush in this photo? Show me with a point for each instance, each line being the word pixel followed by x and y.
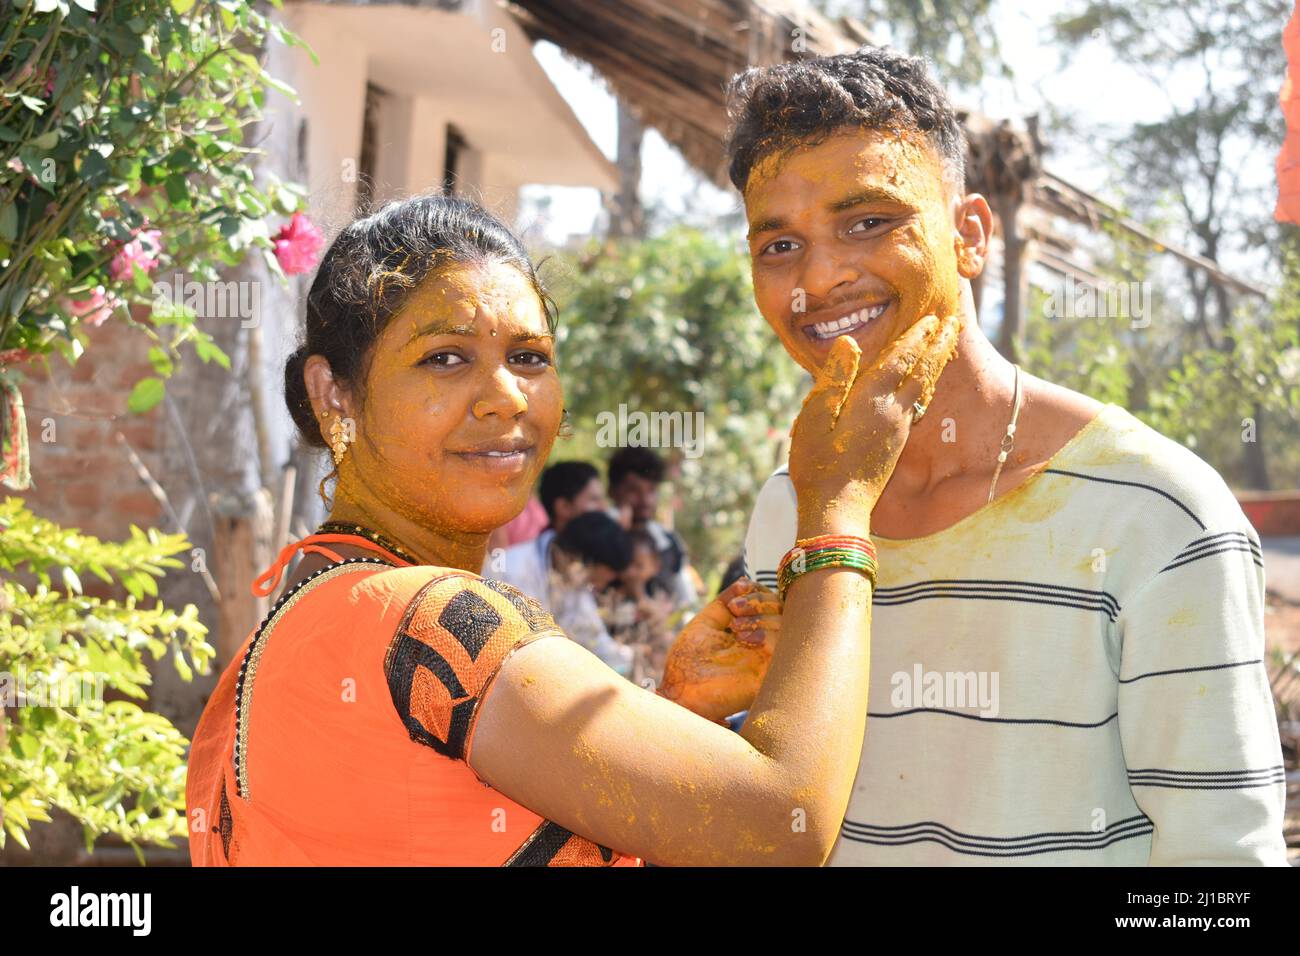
pixel 122 152
pixel 669 325
pixel 113 766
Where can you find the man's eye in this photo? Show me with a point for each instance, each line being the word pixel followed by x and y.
pixel 443 360
pixel 531 359
pixel 865 225
pixel 779 246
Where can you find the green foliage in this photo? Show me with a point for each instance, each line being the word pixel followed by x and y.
pixel 1215 400
pixel 669 325
pixel 118 116
pixel 1212 397
pixel 113 766
pixel 1215 368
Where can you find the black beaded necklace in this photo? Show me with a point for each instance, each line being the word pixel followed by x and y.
pixel 343 527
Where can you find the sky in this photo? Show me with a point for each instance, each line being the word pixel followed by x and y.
pixel 1091 84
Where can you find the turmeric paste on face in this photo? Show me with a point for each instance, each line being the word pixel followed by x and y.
pixel 467 362
pixel 847 226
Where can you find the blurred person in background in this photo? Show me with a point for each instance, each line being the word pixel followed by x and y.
pixel 638 608
pixel 635 475
pixel 567 488
pixel 564 571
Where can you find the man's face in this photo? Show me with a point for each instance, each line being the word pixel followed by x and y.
pixel 852 236
pixel 639 494
pixel 590 498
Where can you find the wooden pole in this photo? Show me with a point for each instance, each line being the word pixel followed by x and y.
pixel 1015 276
pixel 241 551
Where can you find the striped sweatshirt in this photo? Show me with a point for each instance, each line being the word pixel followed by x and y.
pixel 1071 675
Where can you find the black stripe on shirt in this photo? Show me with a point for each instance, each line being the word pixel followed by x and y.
pixel 1210 554
pixel 1026 597
pixel 995 585
pixel 992 720
pixel 979 589
pixel 1208 773
pixel 1207 779
pixel 996 846
pixel 1243 785
pixel 885 829
pixel 1190 670
pixel 1216 544
pixel 1131 484
pixel 1209 541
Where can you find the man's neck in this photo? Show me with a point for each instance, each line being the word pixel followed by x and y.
pixel 963 426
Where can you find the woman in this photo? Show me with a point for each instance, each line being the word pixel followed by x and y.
pixel 396 708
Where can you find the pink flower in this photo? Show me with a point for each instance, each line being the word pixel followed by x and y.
pixel 297 245
pixel 96 309
pixel 143 251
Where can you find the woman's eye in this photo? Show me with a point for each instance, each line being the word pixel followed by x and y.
pixel 443 360
pixel 779 246
pixel 531 359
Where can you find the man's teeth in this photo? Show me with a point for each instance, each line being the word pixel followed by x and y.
pixel 826 330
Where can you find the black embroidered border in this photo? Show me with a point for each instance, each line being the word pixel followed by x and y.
pixel 260 636
pixel 225 822
pixel 544 843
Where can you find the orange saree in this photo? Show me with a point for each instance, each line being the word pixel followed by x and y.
pixel 339 735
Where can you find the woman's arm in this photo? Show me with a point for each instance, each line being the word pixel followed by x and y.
pixel 560 734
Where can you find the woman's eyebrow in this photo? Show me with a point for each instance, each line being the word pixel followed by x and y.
pixel 468 330
pixel 522 335
pixel 443 327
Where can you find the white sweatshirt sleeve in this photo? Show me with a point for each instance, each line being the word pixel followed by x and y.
pixel 1196 716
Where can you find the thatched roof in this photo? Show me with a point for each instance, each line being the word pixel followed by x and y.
pixel 669 61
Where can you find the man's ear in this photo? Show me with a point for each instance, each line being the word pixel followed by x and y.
pixel 974 225
pixel 329 397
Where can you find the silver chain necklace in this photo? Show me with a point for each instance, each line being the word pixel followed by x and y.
pixel 1009 439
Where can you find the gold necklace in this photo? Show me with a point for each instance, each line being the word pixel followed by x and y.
pixel 1009 439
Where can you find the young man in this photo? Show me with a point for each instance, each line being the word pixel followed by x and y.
pixel 1067 647
pixel 568 489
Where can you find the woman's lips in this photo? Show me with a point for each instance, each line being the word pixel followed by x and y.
pixel 498 461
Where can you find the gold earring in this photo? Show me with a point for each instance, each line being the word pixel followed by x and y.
pixel 566 426
pixel 340 435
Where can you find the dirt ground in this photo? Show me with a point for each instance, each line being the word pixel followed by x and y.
pixel 1282 633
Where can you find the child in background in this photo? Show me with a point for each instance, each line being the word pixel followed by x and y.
pixel 638 608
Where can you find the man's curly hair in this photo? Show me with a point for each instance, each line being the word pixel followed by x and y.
pixel 803 102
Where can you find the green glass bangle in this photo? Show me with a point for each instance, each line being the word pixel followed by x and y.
pixel 820 560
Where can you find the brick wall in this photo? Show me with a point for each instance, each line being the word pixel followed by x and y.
pixel 82 475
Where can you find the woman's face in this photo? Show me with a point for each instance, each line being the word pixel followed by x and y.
pixel 461 404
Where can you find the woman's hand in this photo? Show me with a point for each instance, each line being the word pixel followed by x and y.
pixel 855 422
pixel 718 661
pixel 846 440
